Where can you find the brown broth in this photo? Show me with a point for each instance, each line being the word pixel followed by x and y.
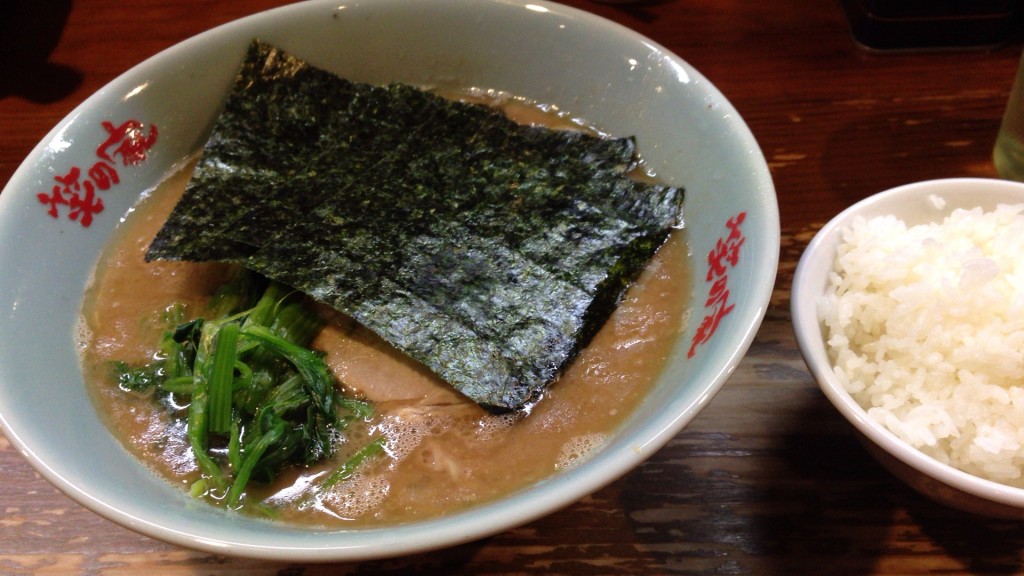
pixel 444 453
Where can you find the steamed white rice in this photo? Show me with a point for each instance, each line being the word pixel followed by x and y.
pixel 925 326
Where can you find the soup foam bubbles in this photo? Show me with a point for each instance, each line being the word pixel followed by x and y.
pixel 578 449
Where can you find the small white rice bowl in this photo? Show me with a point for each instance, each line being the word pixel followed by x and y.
pixel 909 309
pixel 925 327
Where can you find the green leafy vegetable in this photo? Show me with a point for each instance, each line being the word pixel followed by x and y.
pixel 487 250
pixel 258 398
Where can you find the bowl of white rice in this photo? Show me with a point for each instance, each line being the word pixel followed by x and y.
pixel 908 308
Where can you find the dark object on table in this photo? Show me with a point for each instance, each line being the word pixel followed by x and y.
pixel 932 24
pixel 29 32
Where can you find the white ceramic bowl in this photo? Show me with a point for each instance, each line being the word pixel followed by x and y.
pixel 590 67
pixel 912 204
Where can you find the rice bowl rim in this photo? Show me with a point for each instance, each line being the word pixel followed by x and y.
pixel 909 202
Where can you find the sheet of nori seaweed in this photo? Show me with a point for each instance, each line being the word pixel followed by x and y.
pixel 487 250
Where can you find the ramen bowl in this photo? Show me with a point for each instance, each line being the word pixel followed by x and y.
pixel 918 203
pixel 128 137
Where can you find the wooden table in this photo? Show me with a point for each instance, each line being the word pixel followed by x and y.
pixel 768 479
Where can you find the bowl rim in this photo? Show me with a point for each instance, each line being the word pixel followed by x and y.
pixel 810 338
pixel 478 521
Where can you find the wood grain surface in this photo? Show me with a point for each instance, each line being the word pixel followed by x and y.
pixel 768 479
